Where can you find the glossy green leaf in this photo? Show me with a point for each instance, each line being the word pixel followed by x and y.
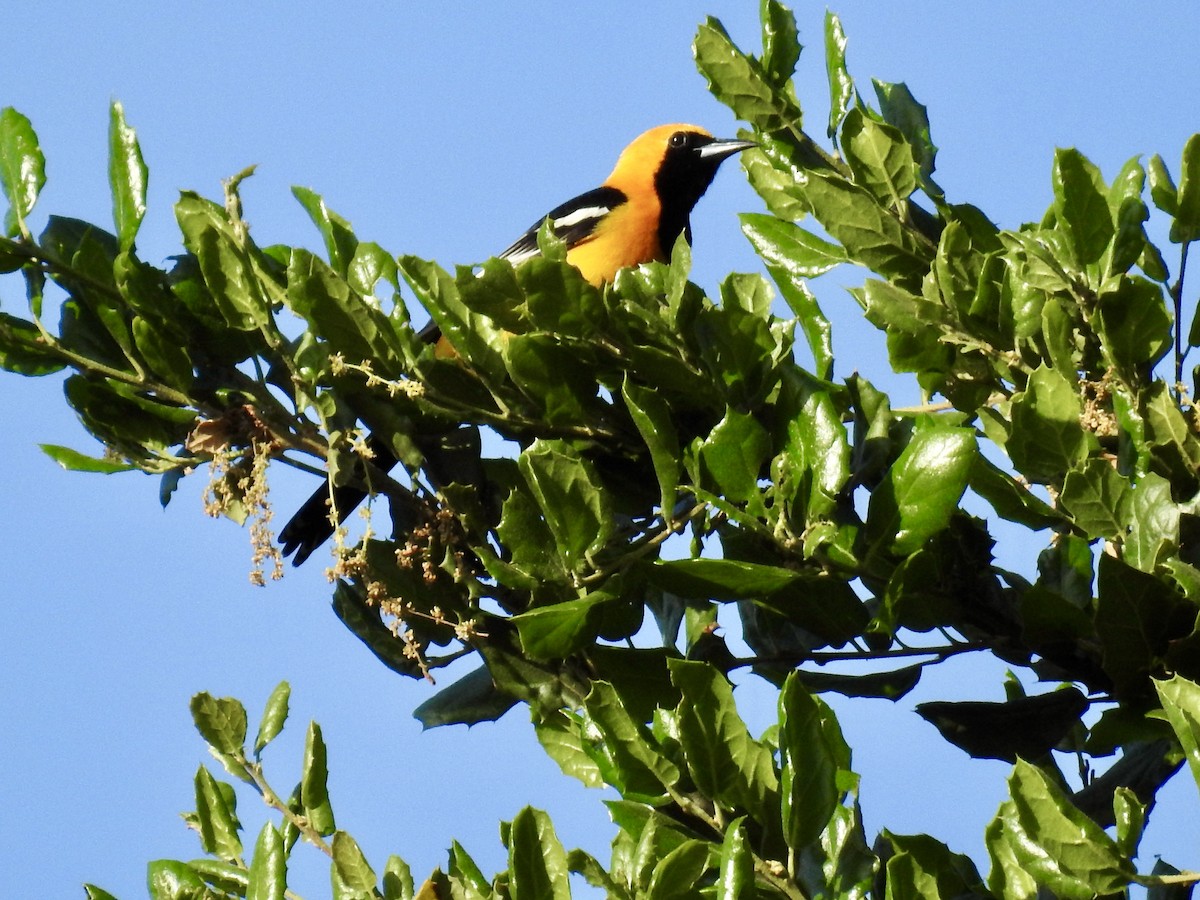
pixel 216 815
pixel 676 874
pixel 274 716
pixel 788 247
pixel 225 262
pixel 352 325
pixel 169 879
pixel 537 862
pixel 22 349
pixel 74 461
pixel 1186 226
pixel 397 879
pixel 1011 499
pixel 1135 325
pixel 809 761
pixel 733 454
pixel 127 176
pixel 97 893
pixel 901 110
pixel 736 80
pixel 922 490
pixel 652 416
pixel 735 877
pixel 350 865
pixel 781 43
pixel 880 157
pixel 627 758
pixel 221 721
pixel 340 242
pixel 465 875
pixel 1058 845
pixel 923 868
pixel 164 355
pixel 558 630
pixel 22 169
pixel 1047 439
pixel 268 868
pixel 560 734
pixel 1009 877
pixel 1180 700
pixel 841 85
pixel 1080 206
pixel 571 499
pixel 1130 815
pixel 1098 499
pixel 1162 187
pixel 314 777
pixel 720 579
pixel 726 764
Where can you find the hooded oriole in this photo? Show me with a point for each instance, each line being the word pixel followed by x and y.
pixel 634 217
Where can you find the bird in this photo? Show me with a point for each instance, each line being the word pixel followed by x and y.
pixel 634 217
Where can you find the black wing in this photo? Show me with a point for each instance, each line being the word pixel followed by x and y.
pixel 571 222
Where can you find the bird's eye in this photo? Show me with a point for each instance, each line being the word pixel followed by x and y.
pixel 678 139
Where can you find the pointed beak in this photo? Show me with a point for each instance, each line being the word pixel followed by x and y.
pixel 718 149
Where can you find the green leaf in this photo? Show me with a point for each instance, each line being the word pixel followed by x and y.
pixel 726 764
pixel 164 355
pixel 901 110
pixel 216 815
pixel 880 157
pixel 841 85
pixel 397 879
pixel 169 879
pixel 268 868
pixel 1080 206
pixel 1098 499
pixel 735 877
pixel 652 416
pixel 1180 700
pixel 351 866
pixel 221 721
pixel 571 499
pixel 537 862
pixel 22 349
pixel 97 893
pixel 736 80
pixel 127 176
pixel 1135 325
pixel 1026 727
pixel 1130 816
pixel 1162 187
pixel 720 579
pixel 314 777
pixel 225 263
pixel 74 461
pixel 340 242
pixel 627 758
pixel 809 761
pixel 560 734
pixel 733 454
pixel 676 874
pixel 1057 844
pixel 1186 226
pixel 351 324
pixel 274 716
pixel 1011 499
pixel 1047 439
pixel 781 44
pixel 922 490
pixel 923 868
pixel 22 169
pixel 558 630
pixel 788 247
pixel 1136 615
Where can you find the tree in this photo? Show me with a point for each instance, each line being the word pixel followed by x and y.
pixel 802 495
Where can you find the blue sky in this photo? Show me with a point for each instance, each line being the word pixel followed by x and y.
pixel 444 131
